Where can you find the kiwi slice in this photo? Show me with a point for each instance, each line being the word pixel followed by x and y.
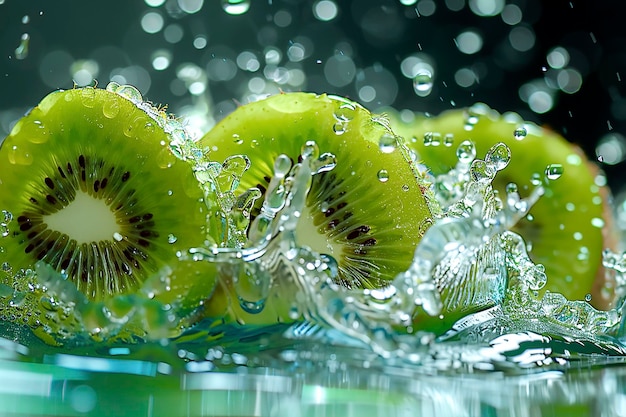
pixel 368 213
pixel 568 230
pixel 93 190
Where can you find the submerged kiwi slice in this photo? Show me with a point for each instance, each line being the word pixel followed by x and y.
pixel 568 230
pixel 92 189
pixel 368 212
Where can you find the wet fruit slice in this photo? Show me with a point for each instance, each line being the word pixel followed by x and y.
pixel 568 230
pixel 368 212
pixel 91 188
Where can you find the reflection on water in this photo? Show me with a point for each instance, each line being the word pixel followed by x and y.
pixel 312 379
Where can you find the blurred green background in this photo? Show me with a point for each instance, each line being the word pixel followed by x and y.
pixel 559 63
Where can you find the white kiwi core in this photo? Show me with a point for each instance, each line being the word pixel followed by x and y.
pixel 86 219
pixel 307 234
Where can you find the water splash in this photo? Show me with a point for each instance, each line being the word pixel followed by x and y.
pixel 471 278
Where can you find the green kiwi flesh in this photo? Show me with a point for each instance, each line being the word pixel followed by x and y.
pixel 567 231
pixel 95 192
pixel 368 213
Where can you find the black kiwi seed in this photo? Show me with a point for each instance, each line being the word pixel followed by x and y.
pixel 85 263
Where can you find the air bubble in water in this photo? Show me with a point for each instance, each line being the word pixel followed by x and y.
pixel 423 83
pixel 554 171
pixel 236 7
pixel 520 133
pixel 21 52
pixel 383 175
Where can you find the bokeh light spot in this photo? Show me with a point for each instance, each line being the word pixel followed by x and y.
pixel 469 42
pixel 522 38
pixel 152 22
pixel 486 7
pixel 511 14
pixel 611 149
pixel 173 33
pixel 339 70
pixel 325 10
pixel 190 6
pixel 558 57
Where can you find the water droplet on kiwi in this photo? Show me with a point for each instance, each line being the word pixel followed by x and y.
pixel 310 150
pixel 588 297
pixel 466 152
pixel 4 224
pixel 345 112
pixel 171 238
pixel 424 226
pixel 237 139
pixel 112 86
pixel 149 127
pixel 448 140
pixel 36 132
pixel 5 290
pixel 387 143
pixel 129 92
pixel 110 108
pixel 554 171
pixel 88 97
pixel 339 128
pixel 383 175
pixel 19 156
